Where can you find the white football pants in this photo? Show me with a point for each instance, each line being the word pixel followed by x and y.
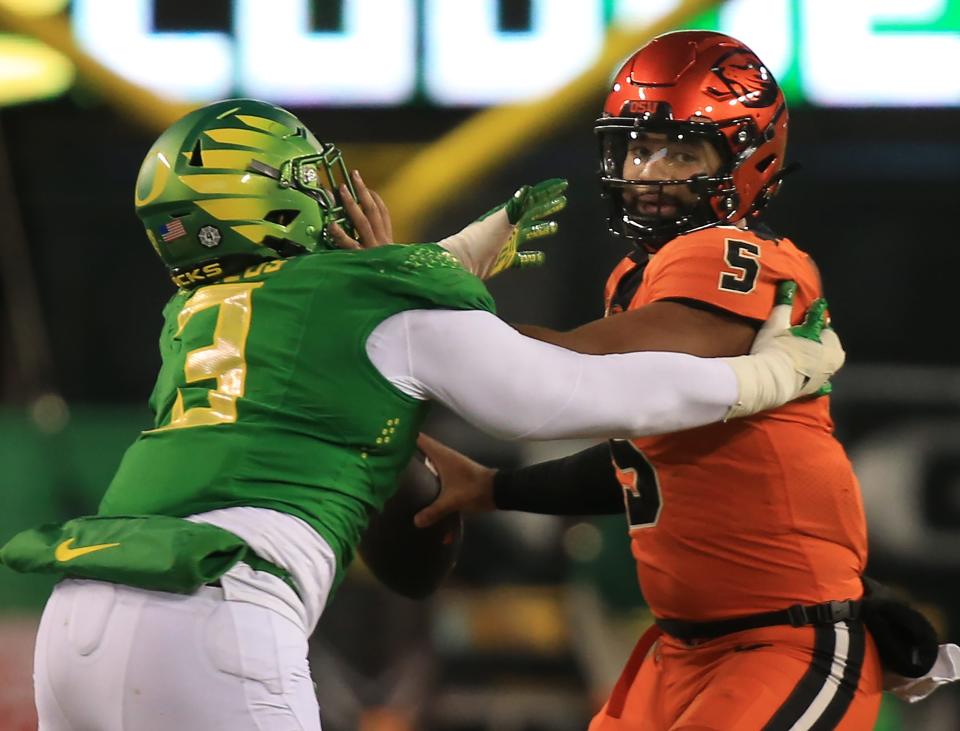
pixel 116 658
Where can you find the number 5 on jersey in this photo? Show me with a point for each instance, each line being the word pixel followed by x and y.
pixel 224 359
pixel 744 258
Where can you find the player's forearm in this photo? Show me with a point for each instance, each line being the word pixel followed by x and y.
pixel 580 484
pixel 594 338
pixel 665 326
pixel 518 388
pixel 477 245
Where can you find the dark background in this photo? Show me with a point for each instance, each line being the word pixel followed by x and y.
pixel 874 203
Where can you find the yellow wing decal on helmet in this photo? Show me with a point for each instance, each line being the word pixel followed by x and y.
pixel 223 159
pixel 267 125
pixel 236 209
pixel 243 184
pixel 243 137
pixel 255 231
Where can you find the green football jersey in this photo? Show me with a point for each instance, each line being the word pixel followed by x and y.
pixel 266 397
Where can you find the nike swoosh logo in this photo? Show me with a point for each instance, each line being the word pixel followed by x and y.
pixel 64 552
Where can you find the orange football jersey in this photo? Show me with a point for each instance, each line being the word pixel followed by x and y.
pixel 751 515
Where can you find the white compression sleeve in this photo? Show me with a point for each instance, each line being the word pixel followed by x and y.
pixel 516 387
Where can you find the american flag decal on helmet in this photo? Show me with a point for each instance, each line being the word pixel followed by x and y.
pixel 173 230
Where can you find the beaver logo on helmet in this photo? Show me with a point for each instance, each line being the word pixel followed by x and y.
pixel 743 76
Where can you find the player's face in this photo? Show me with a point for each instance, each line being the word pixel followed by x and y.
pixel 657 156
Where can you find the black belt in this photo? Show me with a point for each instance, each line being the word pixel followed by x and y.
pixel 796 616
pixel 260 564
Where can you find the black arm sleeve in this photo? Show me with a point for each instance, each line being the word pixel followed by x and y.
pixel 581 484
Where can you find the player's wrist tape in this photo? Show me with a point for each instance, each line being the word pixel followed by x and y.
pixel 764 381
pixel 581 484
pixel 782 368
pixel 478 245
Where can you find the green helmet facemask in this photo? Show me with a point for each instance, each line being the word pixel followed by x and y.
pixel 235 181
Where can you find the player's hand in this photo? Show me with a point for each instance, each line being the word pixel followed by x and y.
pixel 526 211
pixel 465 485
pixel 492 243
pixel 819 365
pixel 786 363
pixel 368 214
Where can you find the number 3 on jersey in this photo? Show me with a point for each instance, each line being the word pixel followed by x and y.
pixel 744 258
pixel 224 359
pixel 641 487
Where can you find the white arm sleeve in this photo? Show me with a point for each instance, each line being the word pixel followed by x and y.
pixel 516 387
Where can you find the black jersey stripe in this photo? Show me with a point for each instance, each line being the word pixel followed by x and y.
pixel 831 684
pixel 808 687
pixel 630 281
pixel 838 707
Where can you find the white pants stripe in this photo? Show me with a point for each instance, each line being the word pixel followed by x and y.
pixel 831 683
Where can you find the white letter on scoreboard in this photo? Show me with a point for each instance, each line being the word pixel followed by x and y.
pixel 850 63
pixel 470 61
pixel 766 28
pixel 372 61
pixel 188 65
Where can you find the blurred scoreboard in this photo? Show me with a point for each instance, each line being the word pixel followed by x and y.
pixel 469 53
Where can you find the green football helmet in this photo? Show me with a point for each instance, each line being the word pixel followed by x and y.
pixel 237 181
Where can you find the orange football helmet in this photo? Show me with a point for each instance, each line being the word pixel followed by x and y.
pixel 687 86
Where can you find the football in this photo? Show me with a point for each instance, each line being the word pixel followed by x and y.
pixel 408 560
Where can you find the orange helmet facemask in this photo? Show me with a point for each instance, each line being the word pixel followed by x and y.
pixel 692 87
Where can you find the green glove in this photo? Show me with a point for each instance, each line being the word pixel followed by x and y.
pixel 786 363
pixel 526 211
pixel 814 323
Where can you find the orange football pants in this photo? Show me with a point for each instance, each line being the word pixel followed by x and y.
pixel 769 679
